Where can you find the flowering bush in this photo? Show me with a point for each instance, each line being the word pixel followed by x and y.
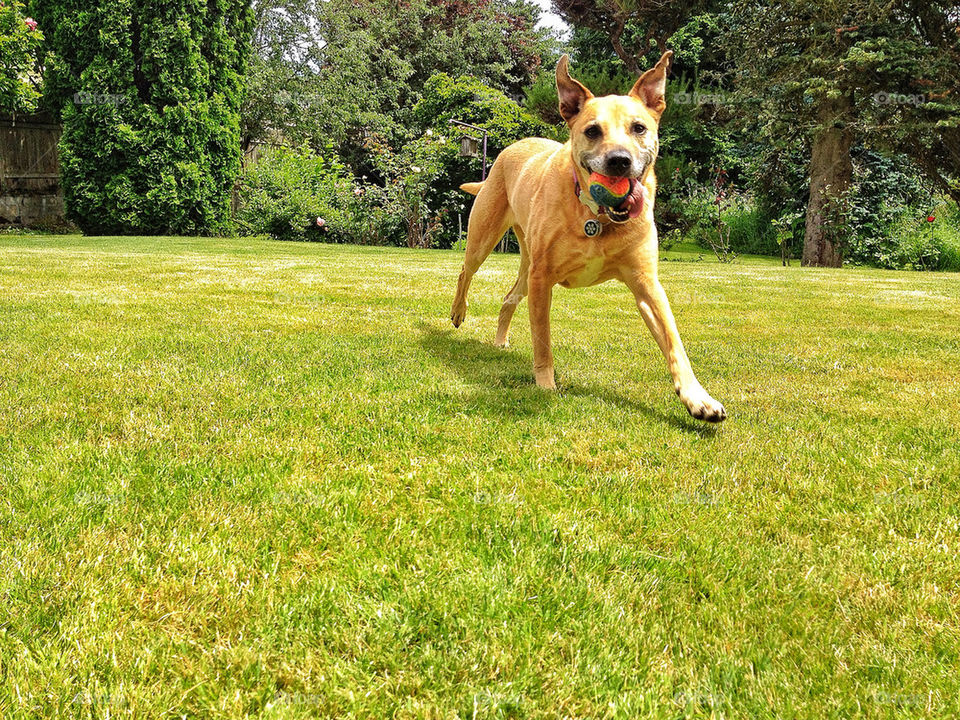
pixel 19 42
pixel 410 179
pixel 296 195
pixel 917 241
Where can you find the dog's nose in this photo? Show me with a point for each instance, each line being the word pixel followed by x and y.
pixel 618 162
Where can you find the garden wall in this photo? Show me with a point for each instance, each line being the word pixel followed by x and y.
pixel 29 170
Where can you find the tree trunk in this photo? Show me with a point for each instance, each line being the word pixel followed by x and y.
pixel 830 172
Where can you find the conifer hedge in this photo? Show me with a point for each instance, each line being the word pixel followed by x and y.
pixel 150 94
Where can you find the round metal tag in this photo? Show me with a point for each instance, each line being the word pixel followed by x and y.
pixel 592 228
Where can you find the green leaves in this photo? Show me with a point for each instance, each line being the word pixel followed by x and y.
pixel 151 98
pixel 20 39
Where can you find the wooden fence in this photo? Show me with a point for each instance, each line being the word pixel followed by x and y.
pixel 30 191
pixel 29 170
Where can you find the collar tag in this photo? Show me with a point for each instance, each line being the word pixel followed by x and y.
pixel 592 228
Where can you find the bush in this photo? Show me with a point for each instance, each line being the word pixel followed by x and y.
pixel 915 244
pixel 285 192
pixel 300 195
pixel 888 214
pixel 19 42
pixel 750 232
pixel 431 194
pixel 745 228
pixel 150 97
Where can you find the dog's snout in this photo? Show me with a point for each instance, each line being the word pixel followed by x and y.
pixel 618 162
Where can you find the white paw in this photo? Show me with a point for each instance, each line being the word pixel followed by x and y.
pixel 701 406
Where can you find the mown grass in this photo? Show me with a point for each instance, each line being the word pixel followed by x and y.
pixel 241 478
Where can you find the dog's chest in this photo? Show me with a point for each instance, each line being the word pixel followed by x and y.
pixel 588 267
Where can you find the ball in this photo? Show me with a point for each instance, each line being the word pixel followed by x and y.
pixel 609 191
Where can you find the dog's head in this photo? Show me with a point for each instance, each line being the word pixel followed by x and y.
pixel 614 135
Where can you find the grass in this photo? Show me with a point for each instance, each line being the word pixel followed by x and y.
pixel 242 478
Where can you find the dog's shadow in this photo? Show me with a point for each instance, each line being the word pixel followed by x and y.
pixel 503 381
pixel 500 379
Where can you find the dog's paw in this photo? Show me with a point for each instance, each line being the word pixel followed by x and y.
pixel 703 407
pixel 545 379
pixel 458 313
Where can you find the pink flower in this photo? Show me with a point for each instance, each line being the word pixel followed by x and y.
pixel 321 222
pixel 358 191
pixel 30 23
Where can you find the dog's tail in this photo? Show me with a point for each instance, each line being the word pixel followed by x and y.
pixel 472 188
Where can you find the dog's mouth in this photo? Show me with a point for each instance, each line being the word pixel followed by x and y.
pixel 631 206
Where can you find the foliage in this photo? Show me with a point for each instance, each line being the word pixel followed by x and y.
pixel 150 97
pixel 631 27
pixel 297 195
pixel 916 239
pixel 20 41
pixel 842 73
pixel 603 78
pixel 692 145
pixel 787 228
pixel 410 197
pixel 468 100
pixel 410 180
pixel 313 82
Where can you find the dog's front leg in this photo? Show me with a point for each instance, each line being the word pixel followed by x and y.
pixel 539 299
pixel 655 309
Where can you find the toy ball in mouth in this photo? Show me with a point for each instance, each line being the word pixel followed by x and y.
pixel 609 191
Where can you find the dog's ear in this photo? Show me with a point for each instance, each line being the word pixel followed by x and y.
pixel 652 86
pixel 571 93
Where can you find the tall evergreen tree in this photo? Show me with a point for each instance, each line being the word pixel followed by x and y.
pixel 150 94
pixel 880 73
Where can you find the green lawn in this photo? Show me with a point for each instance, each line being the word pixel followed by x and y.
pixel 242 478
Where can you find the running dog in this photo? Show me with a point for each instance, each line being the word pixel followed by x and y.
pixel 583 214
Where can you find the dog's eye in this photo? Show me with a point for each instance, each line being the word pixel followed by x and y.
pixel 639 128
pixel 593 132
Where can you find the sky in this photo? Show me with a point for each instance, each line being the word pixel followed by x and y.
pixel 549 20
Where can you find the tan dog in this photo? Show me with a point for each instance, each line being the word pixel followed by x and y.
pixel 533 187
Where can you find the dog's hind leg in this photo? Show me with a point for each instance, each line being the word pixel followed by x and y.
pixel 516 294
pixel 489 220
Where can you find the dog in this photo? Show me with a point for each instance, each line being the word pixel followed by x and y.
pixel 539 187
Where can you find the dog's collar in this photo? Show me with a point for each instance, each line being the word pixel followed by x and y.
pixel 584 197
pixel 594 226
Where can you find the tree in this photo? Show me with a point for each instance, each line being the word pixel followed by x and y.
pixel 150 96
pixel 836 73
pixel 340 69
pixel 19 43
pixel 631 25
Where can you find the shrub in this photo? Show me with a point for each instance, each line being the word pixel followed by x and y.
pixel 436 149
pixel 750 232
pixel 285 192
pixel 19 42
pixel 919 244
pixel 745 228
pixel 150 97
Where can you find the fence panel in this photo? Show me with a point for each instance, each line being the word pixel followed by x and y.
pixel 29 170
